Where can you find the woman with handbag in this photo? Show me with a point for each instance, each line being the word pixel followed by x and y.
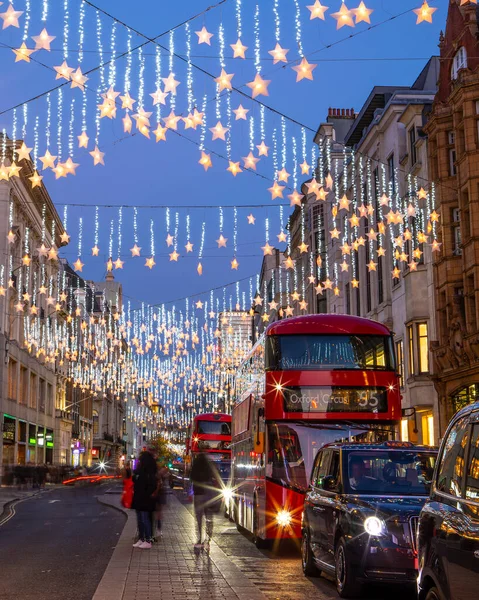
pixel 144 498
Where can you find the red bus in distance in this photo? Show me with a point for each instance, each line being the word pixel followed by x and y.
pixel 309 381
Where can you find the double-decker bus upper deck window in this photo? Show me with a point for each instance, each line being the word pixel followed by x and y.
pixel 329 352
pixel 213 428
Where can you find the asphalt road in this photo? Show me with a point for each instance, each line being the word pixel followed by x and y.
pixel 58 545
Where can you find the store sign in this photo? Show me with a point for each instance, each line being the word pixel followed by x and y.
pixel 94 453
pixel 32 441
pixel 49 440
pixel 41 438
pixel 9 431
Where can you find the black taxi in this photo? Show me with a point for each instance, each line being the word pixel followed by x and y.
pixel 361 512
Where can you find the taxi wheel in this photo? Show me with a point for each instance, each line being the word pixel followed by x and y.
pixel 346 583
pixel 433 594
pixel 307 562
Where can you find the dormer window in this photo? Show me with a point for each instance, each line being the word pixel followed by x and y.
pixel 459 62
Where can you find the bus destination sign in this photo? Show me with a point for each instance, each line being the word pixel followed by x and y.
pixel 335 399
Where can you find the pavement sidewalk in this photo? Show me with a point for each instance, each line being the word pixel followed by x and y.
pixel 170 570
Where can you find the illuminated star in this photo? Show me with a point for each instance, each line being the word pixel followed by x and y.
pixel 19 306
pixel 372 235
pixel 60 170
pixel 289 263
pixel 26 260
pixel 422 194
pixel 14 170
pixel 344 203
pixel 78 265
pixel 334 234
pixel 95 250
pixel 304 70
pixel 174 256
pixel 78 79
pixel 281 237
pixel 283 175
pixel 159 97
pixel 278 54
pixel 221 241
pixel 119 263
pixel 224 80
pixel 240 112
pixel 65 238
pixel 303 247
pixel 135 251
pixel 262 149
pixel 189 247
pixel 169 240
pixel 234 264
pixel 362 13
pixel 239 49
pixel 219 131
pixel 436 246
pixel 22 53
pixel 64 71
pixel 204 37
pixel 372 265
pixel 295 198
pixel 23 152
pixel 234 168
pixel 304 168
pixel 127 101
pixel 171 121
pixel 317 10
pixel 259 86
pixel 197 117
pixel 160 133
pixel 83 140
pixel 251 219
pixel 258 301
pixel 170 83
pixel 10 17
pixel 288 311
pixel 36 179
pixel 395 273
pixel 343 17
pixel 267 249
pixel 199 304
pixel 97 156
pixel 344 266
pixel 43 41
pixel 70 166
pixel 250 161
pixel 205 160
pixel 276 191
pixel 42 251
pixel 150 262
pixel 127 123
pixel 424 13
pixel 52 254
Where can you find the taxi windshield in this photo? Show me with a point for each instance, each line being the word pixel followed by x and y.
pixel 390 472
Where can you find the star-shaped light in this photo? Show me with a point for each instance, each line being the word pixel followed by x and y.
pixel 189 246
pixel 159 97
pixel 303 247
pixel 4 172
pixel 170 83
pixel 97 156
pixel 267 249
pixel 78 79
pixel 234 168
pixel 119 263
pixel 239 49
pixel 42 251
pixel 42 290
pixel 282 237
pixel 150 262
pixel 65 238
pixel 305 168
pixel 78 265
pixel 199 269
pixel 283 175
pixel 10 17
pixel 127 101
pixel 174 256
pixel 304 70
pixel 343 17
pixel 64 71
pixel 219 131
pixel 262 149
pixel 23 152
pixel 395 273
pixel 436 246
pixel 52 254
pixel 224 80
pixel 205 160
pixel 240 112
pixel 250 161
pixel 19 306
pixel 362 13
pixel 278 54
pixel 372 265
pixel 317 10
pixel 26 260
pixel 258 301
pixel 14 170
pixel 160 133
pixel 70 166
pixel 422 194
pixel 43 41
pixel 36 179
pixel 234 264
pixel 276 190
pixel 221 241
pixel 171 121
pixel 135 251
pixel 259 86
pixel 127 123
pixel 424 13
pixel 251 219
pixel 169 240
pixel 83 140
pixel 95 250
pixel 289 263
pixel 22 53
pixel 344 203
pixel 204 37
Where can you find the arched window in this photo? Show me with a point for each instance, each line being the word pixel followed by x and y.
pixel 459 62
pixel 95 423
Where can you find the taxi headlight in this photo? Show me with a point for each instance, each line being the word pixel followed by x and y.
pixel 374 526
pixel 227 494
pixel 284 518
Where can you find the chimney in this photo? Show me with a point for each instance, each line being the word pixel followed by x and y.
pixel 341 113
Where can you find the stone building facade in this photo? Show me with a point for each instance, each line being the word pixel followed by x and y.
pixel 453 134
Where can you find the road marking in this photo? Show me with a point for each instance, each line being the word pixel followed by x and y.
pixel 52 501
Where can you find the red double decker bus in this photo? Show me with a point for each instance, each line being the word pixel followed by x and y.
pixel 210 433
pixel 310 381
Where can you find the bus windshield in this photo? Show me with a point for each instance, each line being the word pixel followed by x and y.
pixel 329 352
pixel 292 448
pixel 213 428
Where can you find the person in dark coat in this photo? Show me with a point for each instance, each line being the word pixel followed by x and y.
pixel 204 478
pixel 144 497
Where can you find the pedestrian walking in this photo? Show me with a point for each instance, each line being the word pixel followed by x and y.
pixel 144 498
pixel 163 478
pixel 204 478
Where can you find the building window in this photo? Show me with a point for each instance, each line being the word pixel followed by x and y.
pixel 405 430
pixel 456 232
pixel 95 423
pixel 471 303
pixel 410 347
pixel 400 361
pixel 452 162
pixel 12 379
pixel 23 398
pixel 391 175
pixel 412 145
pixel 42 396
pixel 348 298
pixel 428 429
pixel 423 348
pixel 33 390
pixel 459 62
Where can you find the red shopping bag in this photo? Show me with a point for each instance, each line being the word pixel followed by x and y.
pixel 127 495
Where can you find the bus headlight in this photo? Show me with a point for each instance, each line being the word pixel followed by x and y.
pixel 227 494
pixel 374 526
pixel 284 518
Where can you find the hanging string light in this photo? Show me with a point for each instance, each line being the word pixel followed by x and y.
pixel 70 128
pixel 141 78
pixel 251 133
pixel 26 23
pixel 49 116
pixel 35 142
pixel 199 268
pixel 59 123
pixel 171 65
pixel 158 79
pixel 44 10
pixel 129 59
pixel 112 66
pixel 189 72
pixel 295 163
pixel 257 46
pixel 277 30
pixel 297 21
pixel 203 123
pixel 95 249
pixel 66 30
pixel 238 18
